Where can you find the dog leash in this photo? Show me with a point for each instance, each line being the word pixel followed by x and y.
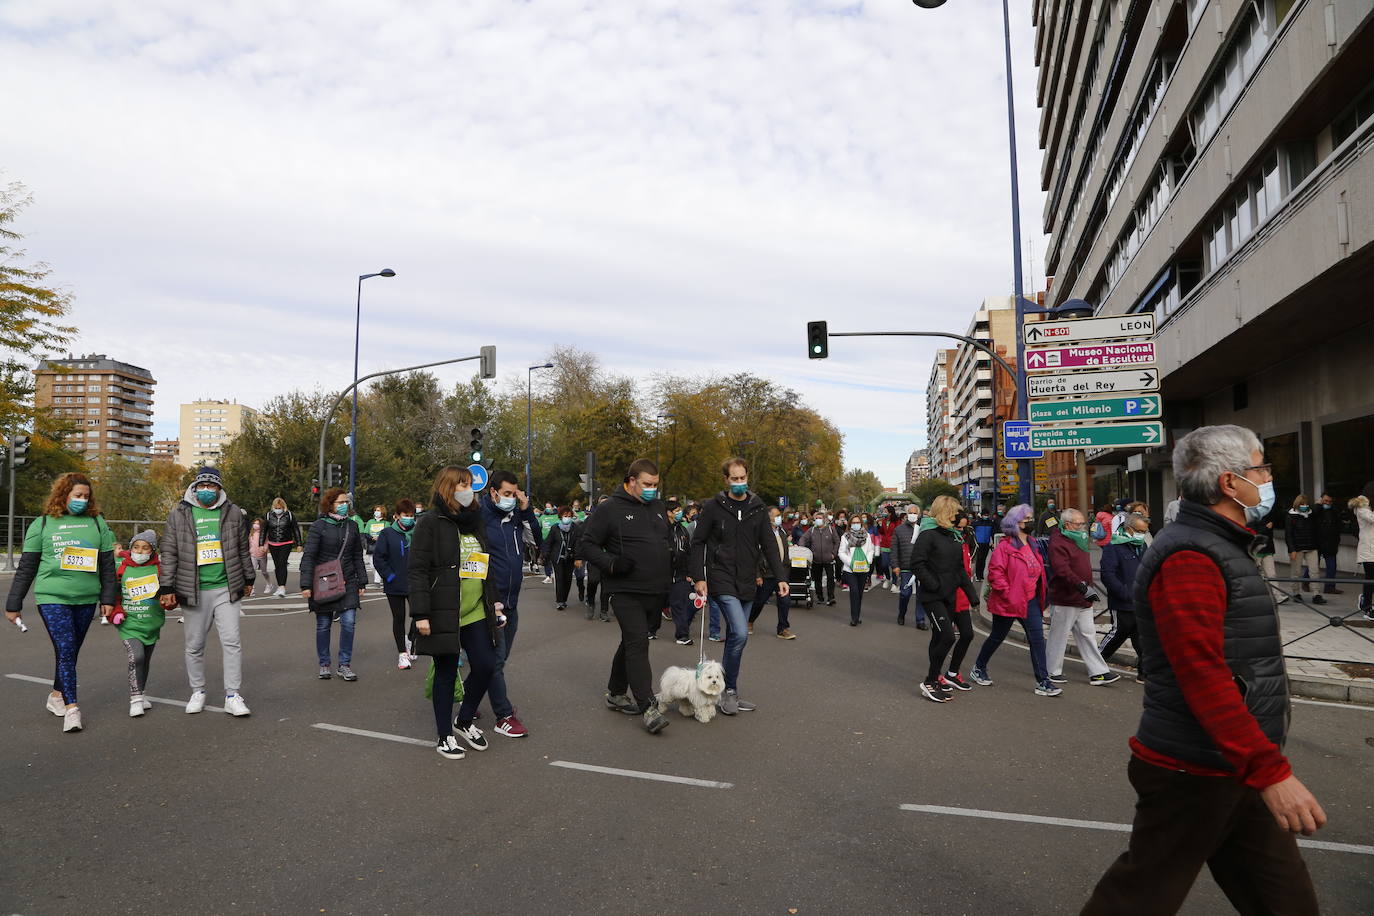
pixel 705 611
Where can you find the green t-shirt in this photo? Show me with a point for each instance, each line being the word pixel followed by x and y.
pixel 357 520
pixel 375 527
pixel 69 549
pixel 471 610
pixel 209 550
pixel 143 615
pixel 546 523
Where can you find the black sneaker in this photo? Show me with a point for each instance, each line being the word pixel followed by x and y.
pixel 1057 679
pixel 933 693
pixel 622 703
pixel 1097 680
pixel 1318 599
pixel 448 747
pixel 653 636
pixel 954 679
pixel 685 641
pixel 922 625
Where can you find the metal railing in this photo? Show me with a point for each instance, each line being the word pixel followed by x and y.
pixel 1330 620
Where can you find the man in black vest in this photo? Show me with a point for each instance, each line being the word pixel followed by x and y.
pixel 1207 763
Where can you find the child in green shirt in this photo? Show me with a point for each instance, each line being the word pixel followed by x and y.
pixel 138 615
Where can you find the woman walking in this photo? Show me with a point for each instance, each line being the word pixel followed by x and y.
pixel 257 549
pixel 1016 594
pixel 856 560
pixel 68 559
pixel 559 554
pixel 1301 538
pixel 283 534
pixel 138 614
pixel 1364 552
pixel 334 538
pixel 391 560
pixel 938 560
pixel 963 613
pixel 455 606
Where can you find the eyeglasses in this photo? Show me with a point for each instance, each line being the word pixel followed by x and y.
pixel 1268 469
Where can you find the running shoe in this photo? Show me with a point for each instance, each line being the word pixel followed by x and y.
pixel 448 747
pixel 136 707
pixel 933 693
pixel 944 685
pixel 787 634
pixel 326 672
pixel 196 703
pixel 56 706
pixel 622 703
pixel 980 677
pixel 346 672
pixel 685 641
pixel 235 706
pixel 403 661
pixel 654 721
pixel 1046 688
pixel 548 580
pixel 71 720
pixel 1058 679
pixel 1097 680
pixel 472 735
pixel 653 635
pixel 716 638
pixel 510 727
pixel 956 681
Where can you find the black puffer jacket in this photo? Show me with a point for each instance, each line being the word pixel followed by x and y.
pixel 436 549
pixel 730 536
pixel 330 540
pixel 629 542
pixel 1302 531
pixel 938 562
pixel 560 545
pixel 282 529
pixel 1329 526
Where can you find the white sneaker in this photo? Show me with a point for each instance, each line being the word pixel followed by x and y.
pixel 71 720
pixel 56 706
pixel 147 706
pixel 472 735
pixel 548 580
pixel 280 592
pixel 403 662
pixel 235 706
pixel 196 703
pixel 136 708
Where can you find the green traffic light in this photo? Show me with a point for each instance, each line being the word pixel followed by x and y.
pixel 476 456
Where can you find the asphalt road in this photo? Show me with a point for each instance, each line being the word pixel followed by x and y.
pixel 209 814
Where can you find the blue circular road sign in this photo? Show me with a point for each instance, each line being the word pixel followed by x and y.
pixel 479 477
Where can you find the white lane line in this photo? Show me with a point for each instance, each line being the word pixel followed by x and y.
pixel 1102 825
pixel 640 774
pixel 47 682
pixel 399 739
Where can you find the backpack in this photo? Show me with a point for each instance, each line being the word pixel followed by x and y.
pixel 1098 531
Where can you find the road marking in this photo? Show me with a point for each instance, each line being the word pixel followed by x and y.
pixel 640 774
pixel 1102 825
pixel 47 682
pixel 399 739
pixel 1334 705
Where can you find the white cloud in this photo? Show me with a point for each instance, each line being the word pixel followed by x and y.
pixel 676 186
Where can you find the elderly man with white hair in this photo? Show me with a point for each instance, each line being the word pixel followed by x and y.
pixel 1207 760
pixel 1071 594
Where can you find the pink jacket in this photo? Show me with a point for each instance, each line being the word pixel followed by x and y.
pixel 257 544
pixel 1015 576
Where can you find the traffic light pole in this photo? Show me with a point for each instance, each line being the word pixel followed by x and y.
pixel 488 371
pixel 9 528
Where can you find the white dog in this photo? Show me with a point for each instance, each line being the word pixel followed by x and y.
pixel 696 690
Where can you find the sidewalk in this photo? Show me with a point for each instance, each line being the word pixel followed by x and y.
pixel 1325 662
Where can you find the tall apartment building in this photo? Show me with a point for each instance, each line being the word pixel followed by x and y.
pixel 917 468
pixel 206 428
pixel 972 412
pixel 110 403
pixel 938 420
pixel 1212 162
pixel 166 449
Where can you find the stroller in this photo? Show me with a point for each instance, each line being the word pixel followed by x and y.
pixel 799 575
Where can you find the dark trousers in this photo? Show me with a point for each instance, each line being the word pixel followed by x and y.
pixel 684 611
pixel 906 586
pixel 1183 822
pixel 1329 561
pixel 484 661
pixel 944 621
pixel 630 666
pixel 563 580
pixel 593 584
pixel 441 695
pixel 280 555
pixel 980 559
pixel 1123 628
pixel 823 572
pixel 855 581
pixel 1367 592
pixel 398 620
pixel 767 590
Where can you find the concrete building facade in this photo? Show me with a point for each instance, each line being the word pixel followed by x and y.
pixel 109 402
pixel 917 468
pixel 939 429
pixel 206 428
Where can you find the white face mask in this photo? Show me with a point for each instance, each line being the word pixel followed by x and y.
pixel 140 558
pixel 376 515
pixel 912 517
pixel 463 497
pixel 279 511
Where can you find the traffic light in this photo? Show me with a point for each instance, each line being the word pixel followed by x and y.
pixel 475 445
pixel 817 340
pixel 335 475
pixel 19 448
pixel 315 490
pixel 584 483
pixel 488 362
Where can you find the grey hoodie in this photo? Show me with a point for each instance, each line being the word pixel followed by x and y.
pixel 179 573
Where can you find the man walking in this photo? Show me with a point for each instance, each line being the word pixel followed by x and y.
pixel 506 512
pixel 1071 595
pixel 731 534
pixel 206 569
pixel 1120 562
pixel 680 592
pixel 903 541
pixel 824 543
pixel 629 540
pixel 1207 761
pixel 1328 542
pixel 768 585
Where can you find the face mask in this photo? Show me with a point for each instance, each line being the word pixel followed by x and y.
pixel 419 508
pixel 649 494
pixel 1326 505
pixel 1305 510
pixel 777 521
pixel 207 497
pixel 462 497
pixel 506 503
pixel 677 515
pixel 1079 537
pixel 912 518
pixel 140 558
pixel 806 521
pixel 257 527
pixel 278 511
pixel 739 489
pixel 820 523
pixel 1266 503
pixel 77 506
pixel 405 521
pixel 341 509
pixel 376 515
pixel 565 523
pixel 856 527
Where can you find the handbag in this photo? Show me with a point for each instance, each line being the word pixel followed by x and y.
pixel 329 584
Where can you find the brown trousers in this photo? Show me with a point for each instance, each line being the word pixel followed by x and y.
pixel 1184 821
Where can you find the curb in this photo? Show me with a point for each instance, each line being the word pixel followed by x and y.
pixel 1320 688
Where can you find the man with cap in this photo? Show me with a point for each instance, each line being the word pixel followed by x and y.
pixel 206 569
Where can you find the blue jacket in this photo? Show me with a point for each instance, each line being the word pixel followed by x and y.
pixel 391 558
pixel 1120 563
pixel 506 539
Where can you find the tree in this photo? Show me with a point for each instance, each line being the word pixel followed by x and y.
pixel 30 314
pixel 926 491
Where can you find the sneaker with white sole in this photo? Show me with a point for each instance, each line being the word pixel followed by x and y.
pixel 933 693
pixel 346 672
pixel 955 680
pixel 1058 679
pixel 448 747
pixel 622 703
pixel 56 706
pixel 1110 677
pixel 326 672
pixel 71 720
pixel 472 735
pixel 280 592
pixel 730 703
pixel 1046 688
pixel 685 641
pixel 136 708
pixel 196 703
pixel 511 727
pixel 147 706
pixel 403 661
pixel 235 706
pixel 980 677
pixel 548 580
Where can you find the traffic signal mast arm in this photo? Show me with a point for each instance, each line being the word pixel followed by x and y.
pixel 1015 380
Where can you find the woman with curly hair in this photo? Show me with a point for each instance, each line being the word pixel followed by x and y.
pixel 68 559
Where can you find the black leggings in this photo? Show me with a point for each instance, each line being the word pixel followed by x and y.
pixel 563 579
pixel 1367 594
pixel 140 656
pixel 943 622
pixel 445 677
pixel 855 581
pixel 280 556
pixel 398 620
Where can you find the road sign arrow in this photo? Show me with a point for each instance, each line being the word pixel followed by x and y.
pixel 1035 359
pixel 1149 378
pixel 1150 404
pixel 1151 434
pixel 1033 333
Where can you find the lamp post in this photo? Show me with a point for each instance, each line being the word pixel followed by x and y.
pixel 357 336
pixel 529 421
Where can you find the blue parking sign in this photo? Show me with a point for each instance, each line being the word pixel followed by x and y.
pixel 1016 440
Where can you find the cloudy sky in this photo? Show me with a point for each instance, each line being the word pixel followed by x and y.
pixel 675 186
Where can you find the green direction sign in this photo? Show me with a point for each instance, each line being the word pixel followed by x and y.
pixel 1140 407
pixel 1101 435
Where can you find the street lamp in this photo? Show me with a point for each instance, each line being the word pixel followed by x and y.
pixel 529 421
pixel 357 335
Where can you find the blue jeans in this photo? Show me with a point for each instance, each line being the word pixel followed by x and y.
pixel 1033 624
pixel 67 626
pixel 714 626
pixel 908 585
pixel 737 634
pixel 1330 562
pixel 485 661
pixel 347 620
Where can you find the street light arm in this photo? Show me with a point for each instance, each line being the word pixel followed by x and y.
pixel 968 340
pixel 329 417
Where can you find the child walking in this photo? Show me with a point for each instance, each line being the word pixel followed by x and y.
pixel 138 614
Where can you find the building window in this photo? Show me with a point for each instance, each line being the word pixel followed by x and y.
pixel 1345 461
pixel 1238 64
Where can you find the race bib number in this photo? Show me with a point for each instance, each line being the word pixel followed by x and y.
pixel 208 552
pixel 800 563
pixel 860 566
pixel 140 588
pixel 80 559
pixel 474 567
